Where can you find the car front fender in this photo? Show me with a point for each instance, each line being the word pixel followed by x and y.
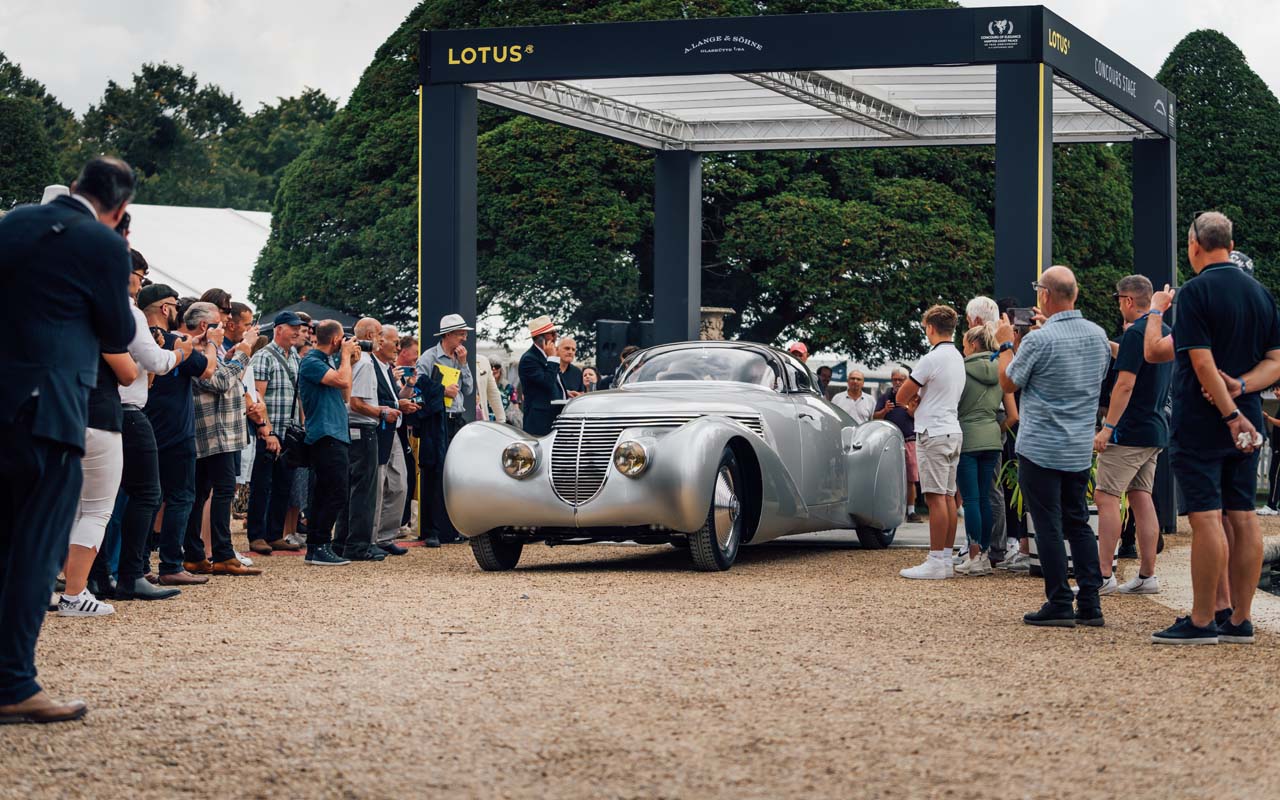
pixel 877 475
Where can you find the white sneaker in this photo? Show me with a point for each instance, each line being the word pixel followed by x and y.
pixel 975 566
pixel 296 539
pixel 1139 585
pixel 1018 562
pixel 959 561
pixel 933 569
pixel 243 559
pixel 83 605
pixel 1109 586
pixel 1267 511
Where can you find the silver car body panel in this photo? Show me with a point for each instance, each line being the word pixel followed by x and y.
pixel 813 475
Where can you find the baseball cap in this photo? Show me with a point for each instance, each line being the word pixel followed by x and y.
pixel 154 294
pixel 798 347
pixel 287 318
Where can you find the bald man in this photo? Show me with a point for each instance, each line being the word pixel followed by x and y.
pixel 354 534
pixel 1061 364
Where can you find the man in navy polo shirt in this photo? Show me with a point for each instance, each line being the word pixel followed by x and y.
pixel 1226 325
pixel 1133 433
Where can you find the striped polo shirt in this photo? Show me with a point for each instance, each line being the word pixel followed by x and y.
pixel 1060 368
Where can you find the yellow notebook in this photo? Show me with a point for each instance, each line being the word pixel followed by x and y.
pixel 448 377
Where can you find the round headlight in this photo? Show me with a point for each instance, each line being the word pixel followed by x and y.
pixel 518 460
pixel 630 458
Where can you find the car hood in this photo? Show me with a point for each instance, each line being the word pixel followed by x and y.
pixel 672 397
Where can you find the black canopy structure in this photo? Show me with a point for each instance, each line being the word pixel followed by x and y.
pixel 1019 77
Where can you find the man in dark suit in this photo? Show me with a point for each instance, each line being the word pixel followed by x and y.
pixel 540 377
pixel 67 273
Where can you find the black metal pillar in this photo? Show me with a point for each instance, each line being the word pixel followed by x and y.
pixel 1155 255
pixel 677 246
pixel 447 211
pixel 1024 177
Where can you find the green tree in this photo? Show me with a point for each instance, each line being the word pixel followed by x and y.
pixel 27 164
pixel 62 129
pixel 1228 146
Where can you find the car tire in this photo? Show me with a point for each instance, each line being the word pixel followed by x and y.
pixel 494 554
pixel 714 546
pixel 875 538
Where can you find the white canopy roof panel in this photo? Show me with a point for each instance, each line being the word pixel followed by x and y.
pixel 812 109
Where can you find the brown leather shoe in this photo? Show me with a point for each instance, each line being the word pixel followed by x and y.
pixel 152 579
pixel 232 566
pixel 39 708
pixel 260 547
pixel 203 567
pixel 286 545
pixel 183 578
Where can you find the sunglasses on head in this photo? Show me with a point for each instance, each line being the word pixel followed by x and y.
pixel 1195 224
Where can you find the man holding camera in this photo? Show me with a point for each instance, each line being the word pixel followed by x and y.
pixel 171 410
pixel 438 364
pixel 324 388
pixel 353 537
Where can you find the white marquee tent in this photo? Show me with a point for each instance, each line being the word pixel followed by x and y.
pixel 194 249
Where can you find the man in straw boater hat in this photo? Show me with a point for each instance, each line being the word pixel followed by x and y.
pixel 446 363
pixel 540 377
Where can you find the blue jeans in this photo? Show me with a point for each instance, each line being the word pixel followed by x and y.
pixel 974 477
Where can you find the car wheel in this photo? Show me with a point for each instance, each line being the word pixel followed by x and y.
pixel 714 546
pixel 493 554
pixel 875 538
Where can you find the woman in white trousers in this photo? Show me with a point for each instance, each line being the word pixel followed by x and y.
pixel 102 465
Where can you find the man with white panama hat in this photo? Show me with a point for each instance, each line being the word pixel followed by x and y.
pixel 540 377
pixel 450 352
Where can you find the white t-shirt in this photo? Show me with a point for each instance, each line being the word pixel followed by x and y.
pixel 940 376
pixel 860 409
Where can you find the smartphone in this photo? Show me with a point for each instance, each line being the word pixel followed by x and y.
pixel 1022 317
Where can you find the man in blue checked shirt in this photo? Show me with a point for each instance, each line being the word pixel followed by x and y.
pixel 1060 367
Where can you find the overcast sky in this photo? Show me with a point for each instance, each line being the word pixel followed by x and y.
pixel 262 49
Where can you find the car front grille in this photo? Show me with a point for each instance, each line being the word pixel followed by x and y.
pixel 584 446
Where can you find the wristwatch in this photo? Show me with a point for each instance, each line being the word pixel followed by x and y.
pixel 1235 413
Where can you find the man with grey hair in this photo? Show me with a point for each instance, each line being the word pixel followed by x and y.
pixel 393 457
pixel 1061 365
pixel 353 537
pixel 982 311
pixel 1226 345
pixel 1134 432
pixel 171 410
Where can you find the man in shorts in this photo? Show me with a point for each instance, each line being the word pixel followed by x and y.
pixel 1133 433
pixel 887 409
pixel 938 380
pixel 1225 326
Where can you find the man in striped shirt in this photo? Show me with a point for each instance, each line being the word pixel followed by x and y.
pixel 1060 366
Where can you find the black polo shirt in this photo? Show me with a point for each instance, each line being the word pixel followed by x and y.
pixel 898 416
pixel 1229 313
pixel 1143 423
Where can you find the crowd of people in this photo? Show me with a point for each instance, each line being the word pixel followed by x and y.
pixel 136 420
pixel 1082 416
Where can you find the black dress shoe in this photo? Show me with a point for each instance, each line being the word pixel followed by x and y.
pixel 429 541
pixel 392 549
pixel 1050 617
pixel 367 554
pixel 103 589
pixel 144 589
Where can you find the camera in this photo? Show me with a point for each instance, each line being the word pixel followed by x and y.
pixel 366 345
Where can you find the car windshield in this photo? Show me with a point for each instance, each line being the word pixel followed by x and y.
pixel 704 364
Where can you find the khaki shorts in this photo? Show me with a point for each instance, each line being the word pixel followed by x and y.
pixel 1127 469
pixel 939 456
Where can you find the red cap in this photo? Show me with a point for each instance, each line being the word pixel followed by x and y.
pixel 798 347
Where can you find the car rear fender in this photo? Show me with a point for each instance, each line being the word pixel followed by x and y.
pixel 877 473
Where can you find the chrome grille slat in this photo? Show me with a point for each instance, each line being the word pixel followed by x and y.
pixel 583 448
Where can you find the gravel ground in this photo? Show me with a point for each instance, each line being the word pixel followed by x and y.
pixel 613 671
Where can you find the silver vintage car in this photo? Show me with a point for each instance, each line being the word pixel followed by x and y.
pixel 704 445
